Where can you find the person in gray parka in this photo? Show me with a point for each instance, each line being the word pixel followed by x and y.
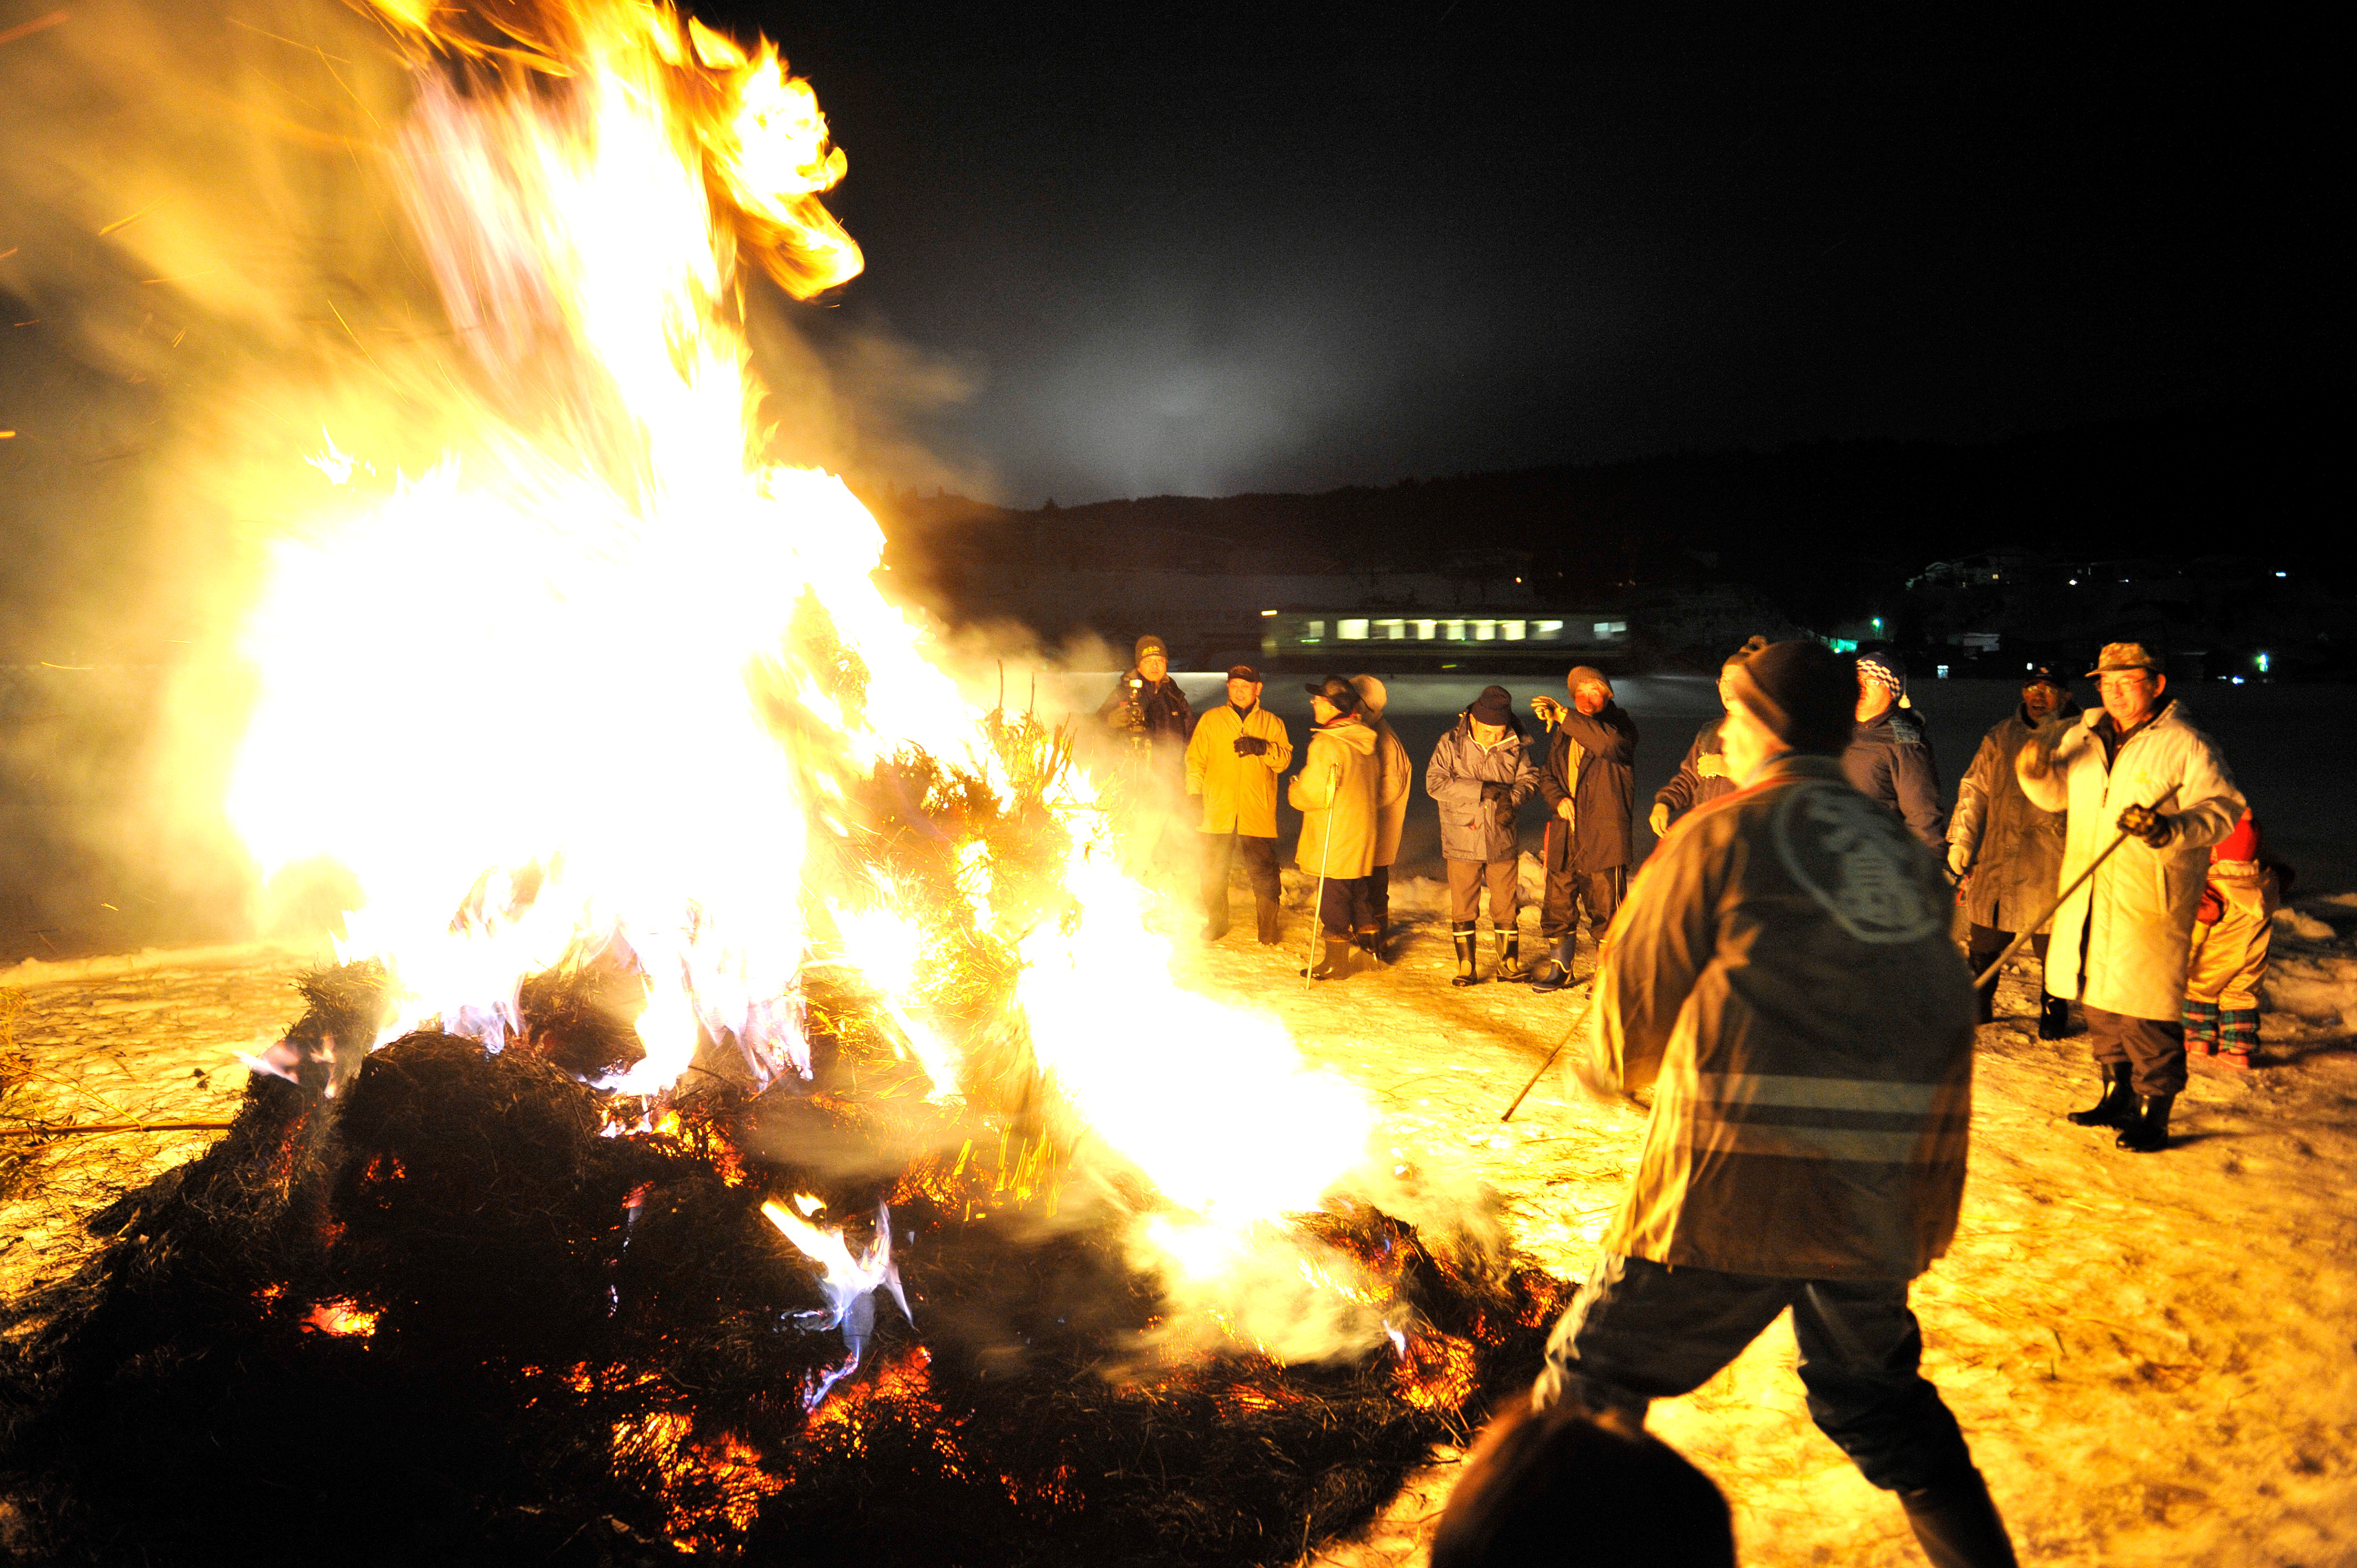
pixel 1480 773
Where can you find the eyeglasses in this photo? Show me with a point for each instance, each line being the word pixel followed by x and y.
pixel 2125 678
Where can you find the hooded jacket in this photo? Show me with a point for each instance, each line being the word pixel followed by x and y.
pixel 1890 762
pixel 1239 792
pixel 1398 772
pixel 1459 767
pixel 1336 792
pixel 1591 763
pixel 1701 779
pixel 1783 977
pixel 2120 942
pixel 2015 849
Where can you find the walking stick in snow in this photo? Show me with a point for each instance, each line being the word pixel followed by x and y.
pixel 2030 928
pixel 1534 1083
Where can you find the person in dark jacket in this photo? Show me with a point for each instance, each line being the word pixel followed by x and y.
pixel 1534 1480
pixel 2006 853
pixel 1890 757
pixel 1480 773
pixel 1145 702
pixel 1783 978
pixel 1589 783
pixel 1702 777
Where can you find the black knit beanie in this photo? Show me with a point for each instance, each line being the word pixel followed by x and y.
pixel 1803 692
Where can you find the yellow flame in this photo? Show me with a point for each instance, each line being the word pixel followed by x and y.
pixel 528 685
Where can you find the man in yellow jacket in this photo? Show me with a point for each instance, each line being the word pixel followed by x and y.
pixel 1233 763
pixel 1782 978
pixel 1337 793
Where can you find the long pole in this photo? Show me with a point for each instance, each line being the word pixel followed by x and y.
pixel 2029 928
pixel 1534 1083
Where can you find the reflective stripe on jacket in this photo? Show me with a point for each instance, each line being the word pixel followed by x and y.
pixel 1782 976
pixel 1239 792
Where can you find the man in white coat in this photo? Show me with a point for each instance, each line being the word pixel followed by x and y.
pixel 2135 766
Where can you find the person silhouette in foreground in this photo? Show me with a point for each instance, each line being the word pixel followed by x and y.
pixel 1554 1486
pixel 1783 979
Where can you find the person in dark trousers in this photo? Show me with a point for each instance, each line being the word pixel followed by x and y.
pixel 1480 773
pixel 1391 814
pixel 1338 792
pixel 1534 1480
pixel 2122 939
pixel 1589 783
pixel 1702 777
pixel 1233 763
pixel 2005 852
pixel 1783 979
pixel 1889 759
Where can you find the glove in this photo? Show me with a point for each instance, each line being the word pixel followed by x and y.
pixel 1547 709
pixel 2153 827
pixel 1251 746
pixel 1960 860
pixel 1660 820
pixel 1491 794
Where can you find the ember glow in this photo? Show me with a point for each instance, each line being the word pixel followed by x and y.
pixel 552 702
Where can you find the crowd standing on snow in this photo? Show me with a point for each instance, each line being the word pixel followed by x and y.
pixel 2162 938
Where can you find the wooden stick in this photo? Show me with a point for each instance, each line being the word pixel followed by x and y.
pixel 1534 1083
pixel 2030 928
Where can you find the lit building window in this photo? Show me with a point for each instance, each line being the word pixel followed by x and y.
pixel 1512 630
pixel 1485 631
pixel 1455 632
pixel 1392 630
pixel 1350 630
pixel 1426 630
pixel 1607 630
pixel 1546 631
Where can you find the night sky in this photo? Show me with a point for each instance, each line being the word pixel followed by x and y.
pixel 1297 247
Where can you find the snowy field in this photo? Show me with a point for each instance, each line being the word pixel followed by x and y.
pixel 2152 1357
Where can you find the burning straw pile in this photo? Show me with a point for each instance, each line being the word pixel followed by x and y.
pixel 438 1303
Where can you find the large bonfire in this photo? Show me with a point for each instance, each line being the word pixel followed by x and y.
pixel 754 1112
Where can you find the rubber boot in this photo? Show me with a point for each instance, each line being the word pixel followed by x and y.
pixel 1336 962
pixel 1553 972
pixel 2054 1017
pixel 1461 932
pixel 1371 942
pixel 1957 1525
pixel 1984 1001
pixel 2117 1108
pixel 2149 1133
pixel 1509 959
pixel 1266 910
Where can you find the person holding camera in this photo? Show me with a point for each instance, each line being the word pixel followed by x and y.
pixel 1480 773
pixel 1145 703
pixel 1232 764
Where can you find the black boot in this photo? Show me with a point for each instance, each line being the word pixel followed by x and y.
pixel 1461 932
pixel 1958 1526
pixel 1337 961
pixel 2117 1108
pixel 1371 942
pixel 1266 910
pixel 2053 1017
pixel 1510 957
pixel 2149 1132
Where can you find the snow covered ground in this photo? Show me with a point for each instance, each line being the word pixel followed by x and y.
pixel 2152 1356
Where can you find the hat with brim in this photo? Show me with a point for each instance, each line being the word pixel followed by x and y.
pixel 2046 675
pixel 2118 658
pixel 1337 691
pixel 1243 672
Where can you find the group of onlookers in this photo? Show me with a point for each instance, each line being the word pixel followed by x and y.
pixel 2162 942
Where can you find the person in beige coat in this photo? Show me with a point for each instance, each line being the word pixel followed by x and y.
pixel 2135 766
pixel 1398 776
pixel 1233 762
pixel 1336 793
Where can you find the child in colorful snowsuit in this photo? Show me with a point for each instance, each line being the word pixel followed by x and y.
pixel 2230 948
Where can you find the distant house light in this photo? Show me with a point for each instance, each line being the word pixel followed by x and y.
pixel 2279 574
pixel 1268 612
pixel 1877 623
pixel 1456 630
pixel 1841 645
pixel 1942 672
pixel 2263 663
pixel 2075 582
pixel 1350 630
